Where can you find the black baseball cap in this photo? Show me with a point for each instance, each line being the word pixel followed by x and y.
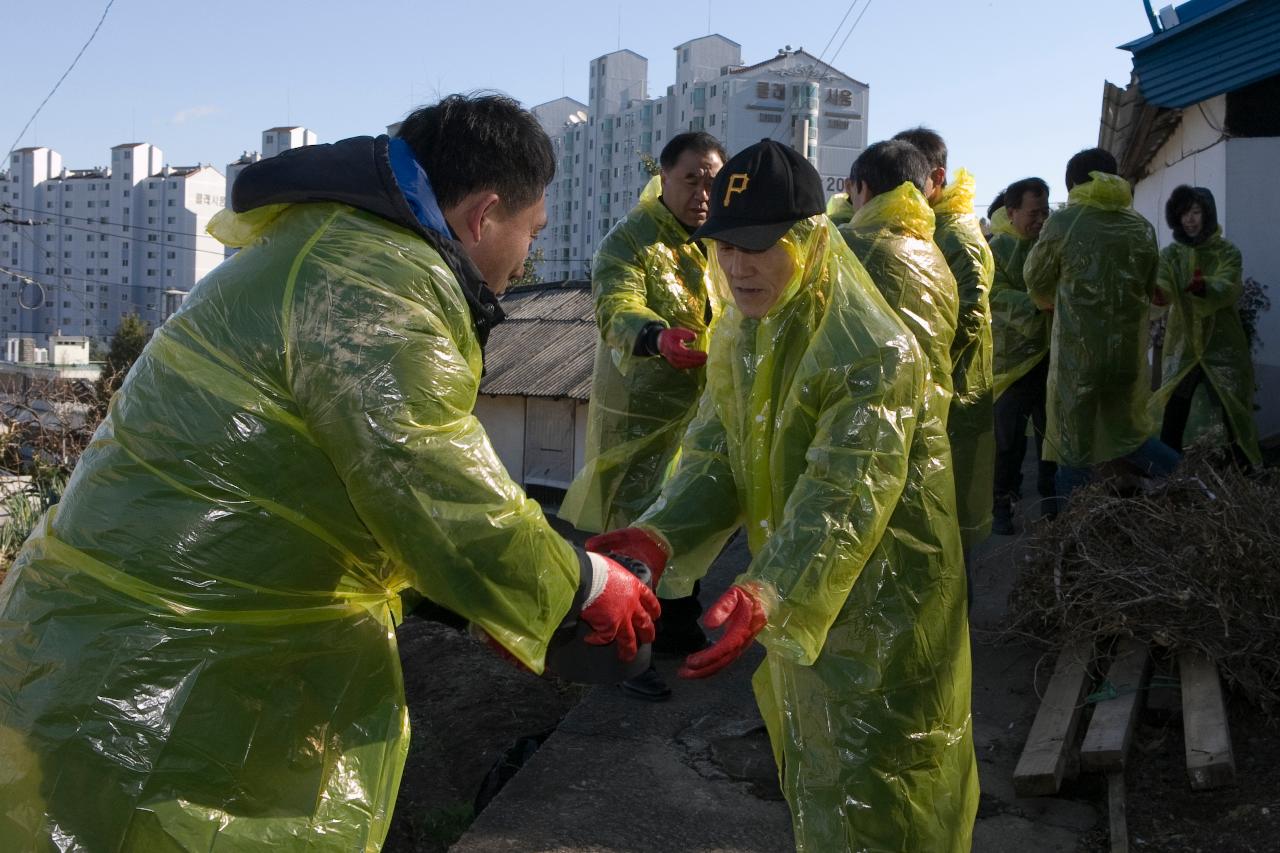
pixel 759 194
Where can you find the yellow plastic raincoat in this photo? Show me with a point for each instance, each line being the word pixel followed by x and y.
pixel 196 645
pixel 819 432
pixel 1206 331
pixel 971 425
pixel 646 271
pixel 1095 263
pixel 1019 329
pixel 892 235
pixel 839 208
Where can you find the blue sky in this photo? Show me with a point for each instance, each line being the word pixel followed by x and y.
pixel 1014 85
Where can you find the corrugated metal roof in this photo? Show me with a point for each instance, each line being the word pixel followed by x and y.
pixel 1219 50
pixel 546 346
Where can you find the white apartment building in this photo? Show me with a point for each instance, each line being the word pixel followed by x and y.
pixel 600 146
pixel 83 248
pixel 274 141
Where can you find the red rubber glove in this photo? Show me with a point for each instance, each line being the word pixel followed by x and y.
pixel 743 616
pixel 671 344
pixel 624 610
pixel 1196 286
pixel 1158 298
pixel 634 543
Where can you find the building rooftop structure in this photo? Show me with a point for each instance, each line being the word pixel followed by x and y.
pixel 546 346
pixel 1206 48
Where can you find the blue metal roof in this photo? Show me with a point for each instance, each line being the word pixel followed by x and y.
pixel 1219 46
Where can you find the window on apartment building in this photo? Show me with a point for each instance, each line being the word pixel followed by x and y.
pixel 104 271
pixel 151 254
pixel 686 54
pixel 66 204
pixel 170 220
pixel 713 90
pixel 128 155
pixel 126 193
pixel 151 202
pixel 168 238
pixel 171 255
pixel 170 202
pixel 126 177
pixel 126 211
pixel 47 237
pixel 713 119
pixel 173 185
pixel 151 272
pixel 168 273
pixel 124 279
pixel 48 204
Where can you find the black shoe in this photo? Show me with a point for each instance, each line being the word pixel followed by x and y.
pixel 648 685
pixel 1002 518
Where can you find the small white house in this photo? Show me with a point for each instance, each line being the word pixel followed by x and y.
pixel 537 380
pixel 1203 108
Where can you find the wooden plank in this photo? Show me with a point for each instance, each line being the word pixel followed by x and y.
pixel 1115 810
pixel 1106 745
pixel 1210 760
pixel 1045 757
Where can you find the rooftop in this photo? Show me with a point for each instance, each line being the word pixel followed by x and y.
pixel 546 346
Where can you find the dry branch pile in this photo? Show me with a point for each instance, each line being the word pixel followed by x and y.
pixel 1193 563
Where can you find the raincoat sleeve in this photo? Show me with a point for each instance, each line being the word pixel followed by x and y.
pixel 619 282
pixel 386 377
pixel 1223 283
pixel 699 504
pixel 1013 305
pixel 856 469
pixel 970 261
pixel 1042 267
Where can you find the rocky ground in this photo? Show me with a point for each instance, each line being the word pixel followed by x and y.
pixel 696 773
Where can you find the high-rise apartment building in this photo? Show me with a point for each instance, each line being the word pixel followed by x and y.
pixel 82 248
pixel 604 148
pixel 274 141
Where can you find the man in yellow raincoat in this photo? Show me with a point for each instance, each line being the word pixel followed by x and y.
pixel 840 208
pixel 1020 338
pixel 654 313
pixel 197 646
pixel 1207 370
pixel 1094 266
pixel 971 425
pixel 891 233
pixel 820 433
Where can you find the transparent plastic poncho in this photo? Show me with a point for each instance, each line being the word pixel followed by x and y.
pixel 197 646
pixel 822 434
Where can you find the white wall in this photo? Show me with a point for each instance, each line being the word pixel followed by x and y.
pixel 503 420
pixel 579 436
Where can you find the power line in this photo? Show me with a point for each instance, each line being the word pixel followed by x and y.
pixel 856 21
pixel 114 224
pixel 83 48
pixel 836 31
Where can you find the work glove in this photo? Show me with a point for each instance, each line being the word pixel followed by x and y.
pixel 672 347
pixel 1196 287
pixel 622 608
pixel 742 613
pixel 634 543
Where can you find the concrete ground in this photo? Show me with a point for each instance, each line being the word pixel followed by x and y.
pixel 696 772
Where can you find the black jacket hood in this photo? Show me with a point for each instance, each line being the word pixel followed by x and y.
pixel 358 172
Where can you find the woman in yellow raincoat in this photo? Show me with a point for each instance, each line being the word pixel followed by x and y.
pixel 197 646
pixel 1207 372
pixel 819 433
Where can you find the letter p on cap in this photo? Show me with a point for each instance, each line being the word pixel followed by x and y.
pixel 737 183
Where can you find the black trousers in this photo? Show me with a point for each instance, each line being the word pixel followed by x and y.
pixel 1178 410
pixel 1022 400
